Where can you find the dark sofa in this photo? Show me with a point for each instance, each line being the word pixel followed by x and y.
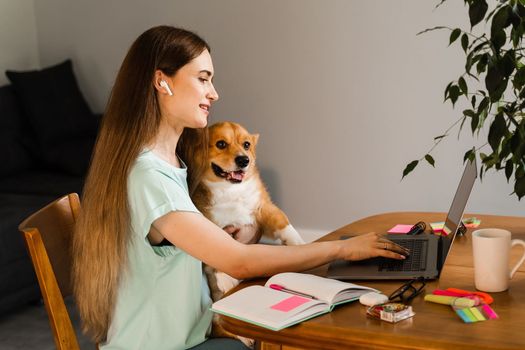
pixel 47 132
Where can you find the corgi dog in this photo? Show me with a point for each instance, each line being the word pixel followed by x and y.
pixel 232 195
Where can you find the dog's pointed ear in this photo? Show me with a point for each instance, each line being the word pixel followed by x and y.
pixel 255 138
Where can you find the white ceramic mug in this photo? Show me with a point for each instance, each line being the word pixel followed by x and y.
pixel 491 250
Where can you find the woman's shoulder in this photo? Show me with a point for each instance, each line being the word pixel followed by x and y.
pixel 150 169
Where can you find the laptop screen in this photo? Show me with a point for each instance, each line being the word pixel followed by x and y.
pixel 455 214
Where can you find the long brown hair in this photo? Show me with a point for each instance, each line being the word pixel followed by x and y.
pixel 130 122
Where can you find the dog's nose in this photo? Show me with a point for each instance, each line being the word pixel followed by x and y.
pixel 242 161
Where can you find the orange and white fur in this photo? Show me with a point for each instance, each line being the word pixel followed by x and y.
pixel 233 196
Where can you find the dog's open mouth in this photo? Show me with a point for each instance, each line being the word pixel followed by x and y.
pixel 232 176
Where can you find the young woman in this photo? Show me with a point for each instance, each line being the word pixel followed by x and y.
pixel 140 241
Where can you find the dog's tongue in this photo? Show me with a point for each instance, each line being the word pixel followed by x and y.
pixel 236 175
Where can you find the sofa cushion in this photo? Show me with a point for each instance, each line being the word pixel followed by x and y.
pixel 14 209
pixel 18 283
pixel 72 156
pixel 41 182
pixel 53 102
pixel 14 156
pixel 18 272
pixel 57 112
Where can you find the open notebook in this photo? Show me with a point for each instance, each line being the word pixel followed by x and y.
pixel 278 309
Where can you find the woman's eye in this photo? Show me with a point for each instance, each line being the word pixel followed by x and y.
pixel 221 144
pixel 203 79
pixel 246 145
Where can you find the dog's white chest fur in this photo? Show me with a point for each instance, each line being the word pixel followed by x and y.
pixel 233 204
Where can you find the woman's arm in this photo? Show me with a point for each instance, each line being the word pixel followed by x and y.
pixel 199 237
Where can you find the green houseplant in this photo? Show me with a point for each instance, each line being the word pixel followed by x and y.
pixel 495 64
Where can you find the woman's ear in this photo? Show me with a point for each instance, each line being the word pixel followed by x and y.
pixel 160 81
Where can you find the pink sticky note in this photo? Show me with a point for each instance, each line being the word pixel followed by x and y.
pixel 290 303
pixel 400 229
pixel 489 312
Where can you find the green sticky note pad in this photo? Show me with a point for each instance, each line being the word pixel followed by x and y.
pixel 469 315
pixel 478 315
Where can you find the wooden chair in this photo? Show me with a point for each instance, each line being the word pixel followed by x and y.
pixel 48 234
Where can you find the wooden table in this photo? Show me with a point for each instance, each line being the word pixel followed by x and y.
pixel 433 327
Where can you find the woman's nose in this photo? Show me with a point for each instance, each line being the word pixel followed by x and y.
pixel 212 94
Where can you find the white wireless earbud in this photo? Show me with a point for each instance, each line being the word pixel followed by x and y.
pixel 166 86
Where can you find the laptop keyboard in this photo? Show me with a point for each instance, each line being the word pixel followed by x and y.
pixel 416 261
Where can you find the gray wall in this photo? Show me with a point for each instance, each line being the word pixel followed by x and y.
pixel 18 44
pixel 343 93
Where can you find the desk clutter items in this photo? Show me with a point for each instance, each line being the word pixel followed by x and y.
pixel 372 299
pixel 390 312
pixel 409 229
pixel 472 222
pixel 400 229
pixel 287 299
pixel 438 228
pixel 394 308
pixel 455 292
pixel 417 229
pixel 469 306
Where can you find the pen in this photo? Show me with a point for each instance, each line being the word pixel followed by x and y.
pixel 417 228
pixel 283 289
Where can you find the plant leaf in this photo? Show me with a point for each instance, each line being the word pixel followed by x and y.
pixel 482 63
pixel 446 94
pixel 505 147
pixel 439 137
pixel 519 187
pixel 430 160
pixel 500 21
pixel 477 11
pixel 481 173
pixel 483 104
pixel 474 123
pixel 469 113
pixel 515 142
pixel 498 40
pixel 464 42
pixel 409 168
pixel 496 132
pixel 519 78
pixel 469 155
pixel 506 64
pixel 454 93
pixel 509 167
pixel 454 35
pixel 463 86
pixel 493 81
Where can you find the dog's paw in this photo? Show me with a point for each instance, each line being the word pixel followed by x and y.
pixel 247 341
pixel 289 236
pixel 225 282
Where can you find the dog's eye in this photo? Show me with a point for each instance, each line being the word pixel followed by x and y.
pixel 221 144
pixel 246 145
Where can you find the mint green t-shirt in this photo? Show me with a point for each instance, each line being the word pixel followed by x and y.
pixel 163 300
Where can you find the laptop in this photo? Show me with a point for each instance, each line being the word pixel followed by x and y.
pixel 428 252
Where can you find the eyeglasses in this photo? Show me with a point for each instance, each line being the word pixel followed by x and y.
pixel 408 291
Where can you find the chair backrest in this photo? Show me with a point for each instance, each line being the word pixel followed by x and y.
pixel 48 234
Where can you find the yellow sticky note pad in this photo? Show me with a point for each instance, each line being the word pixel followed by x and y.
pixel 437 227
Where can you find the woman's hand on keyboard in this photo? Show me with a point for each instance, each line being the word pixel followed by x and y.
pixel 371 245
